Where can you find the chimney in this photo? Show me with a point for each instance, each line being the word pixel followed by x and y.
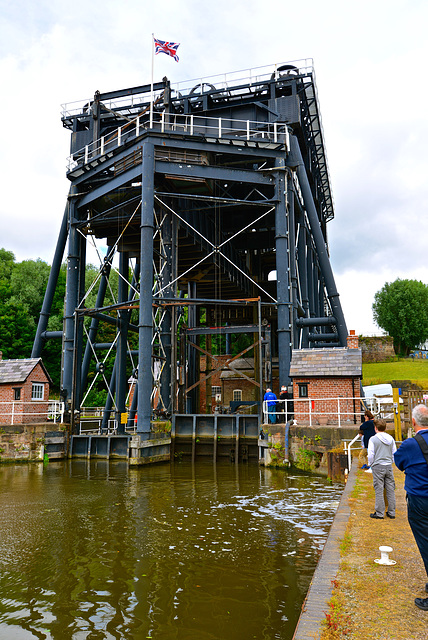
pixel 352 340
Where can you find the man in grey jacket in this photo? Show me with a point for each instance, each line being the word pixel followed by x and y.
pixel 380 451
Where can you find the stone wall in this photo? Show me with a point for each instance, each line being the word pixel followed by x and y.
pixel 377 348
pixel 22 442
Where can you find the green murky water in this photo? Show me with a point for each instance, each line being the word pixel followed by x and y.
pixel 99 551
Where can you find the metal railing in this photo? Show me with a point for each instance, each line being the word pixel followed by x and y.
pixel 219 128
pixel 14 411
pixel 319 410
pixel 188 88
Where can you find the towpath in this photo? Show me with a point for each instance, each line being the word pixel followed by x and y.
pixel 369 600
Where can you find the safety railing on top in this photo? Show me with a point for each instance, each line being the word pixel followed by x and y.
pixel 193 88
pixel 237 131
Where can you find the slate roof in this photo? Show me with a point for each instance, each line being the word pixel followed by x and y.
pixel 329 362
pixel 13 371
pixel 246 365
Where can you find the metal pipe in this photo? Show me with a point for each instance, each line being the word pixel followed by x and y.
pixel 316 322
pixel 50 289
pixel 296 161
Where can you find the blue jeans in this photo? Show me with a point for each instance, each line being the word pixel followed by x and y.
pixel 417 514
pixel 271 411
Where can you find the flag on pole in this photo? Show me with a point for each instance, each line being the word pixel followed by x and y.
pixel 170 48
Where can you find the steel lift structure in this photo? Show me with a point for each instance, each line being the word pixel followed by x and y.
pixel 200 193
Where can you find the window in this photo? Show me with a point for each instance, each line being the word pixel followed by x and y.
pixel 303 390
pixel 215 391
pixel 237 395
pixel 17 393
pixel 37 391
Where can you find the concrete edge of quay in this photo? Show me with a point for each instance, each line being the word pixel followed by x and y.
pixel 319 593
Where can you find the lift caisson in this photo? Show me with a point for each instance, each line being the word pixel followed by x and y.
pixel 210 200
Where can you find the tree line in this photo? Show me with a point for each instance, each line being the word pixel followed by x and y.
pixel 22 289
pixel 400 308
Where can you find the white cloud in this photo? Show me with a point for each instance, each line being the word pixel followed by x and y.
pixel 369 60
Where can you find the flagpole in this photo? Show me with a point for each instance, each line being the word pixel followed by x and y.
pixel 152 97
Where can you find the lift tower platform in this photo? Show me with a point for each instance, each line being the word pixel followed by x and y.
pixel 208 206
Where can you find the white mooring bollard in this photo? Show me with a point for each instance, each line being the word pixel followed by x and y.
pixel 384 556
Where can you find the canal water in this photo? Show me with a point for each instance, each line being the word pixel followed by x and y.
pixel 96 550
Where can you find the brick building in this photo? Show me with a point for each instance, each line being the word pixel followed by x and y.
pixel 24 391
pixel 326 383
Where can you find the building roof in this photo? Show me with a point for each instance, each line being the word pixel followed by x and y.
pixel 246 365
pixel 330 362
pixel 14 371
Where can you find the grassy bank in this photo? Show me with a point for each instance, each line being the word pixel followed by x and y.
pixel 401 369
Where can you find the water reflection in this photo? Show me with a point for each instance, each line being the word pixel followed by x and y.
pixel 95 550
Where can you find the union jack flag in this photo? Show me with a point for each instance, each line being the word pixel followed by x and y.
pixel 170 48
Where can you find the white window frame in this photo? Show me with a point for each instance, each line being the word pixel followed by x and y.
pixel 237 392
pixel 215 390
pixel 37 391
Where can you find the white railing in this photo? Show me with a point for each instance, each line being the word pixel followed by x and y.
pixel 319 410
pixel 14 412
pixel 221 82
pixel 91 419
pixel 219 128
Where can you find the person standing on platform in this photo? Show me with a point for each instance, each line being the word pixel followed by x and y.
pixel 287 404
pixel 412 458
pixel 381 449
pixel 270 399
pixel 367 430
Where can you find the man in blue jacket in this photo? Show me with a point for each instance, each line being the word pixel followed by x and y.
pixel 270 399
pixel 410 459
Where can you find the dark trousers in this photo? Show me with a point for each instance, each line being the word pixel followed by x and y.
pixel 417 514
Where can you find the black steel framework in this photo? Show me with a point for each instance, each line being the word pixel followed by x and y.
pixel 200 193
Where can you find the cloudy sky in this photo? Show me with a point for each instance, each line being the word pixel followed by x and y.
pixel 370 59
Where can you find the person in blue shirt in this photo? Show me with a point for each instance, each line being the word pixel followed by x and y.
pixel 271 399
pixel 410 459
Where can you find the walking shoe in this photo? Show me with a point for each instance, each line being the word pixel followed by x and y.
pixel 422 603
pixel 375 516
pixel 389 516
pixel 364 466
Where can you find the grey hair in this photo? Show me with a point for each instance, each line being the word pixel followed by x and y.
pixel 420 415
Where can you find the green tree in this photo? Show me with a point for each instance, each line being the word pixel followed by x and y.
pixel 401 309
pixel 28 280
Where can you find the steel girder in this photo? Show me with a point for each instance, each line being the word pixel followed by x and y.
pixel 205 217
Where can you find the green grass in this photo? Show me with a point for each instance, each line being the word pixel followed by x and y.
pixel 402 369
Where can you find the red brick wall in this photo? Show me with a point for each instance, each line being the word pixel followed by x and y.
pixel 322 401
pixel 25 410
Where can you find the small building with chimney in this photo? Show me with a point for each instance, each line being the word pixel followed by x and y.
pixel 24 391
pixel 326 384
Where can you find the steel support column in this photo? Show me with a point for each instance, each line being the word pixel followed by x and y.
pixel 146 286
pixel 71 302
pixel 122 342
pixel 282 274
